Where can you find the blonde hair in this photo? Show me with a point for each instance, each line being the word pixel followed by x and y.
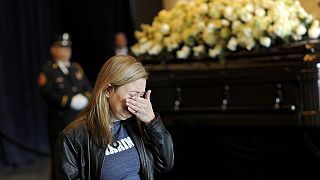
pixel 117 71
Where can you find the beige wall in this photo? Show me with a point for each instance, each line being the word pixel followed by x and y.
pixel 167 4
pixel 311 6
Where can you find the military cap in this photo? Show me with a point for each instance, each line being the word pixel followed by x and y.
pixel 62 40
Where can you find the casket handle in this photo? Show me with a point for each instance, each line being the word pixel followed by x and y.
pixel 225 98
pixel 278 100
pixel 178 99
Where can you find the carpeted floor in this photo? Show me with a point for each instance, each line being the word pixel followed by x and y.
pixel 34 171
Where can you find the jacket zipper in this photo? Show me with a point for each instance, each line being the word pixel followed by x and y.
pixel 104 157
pixel 144 161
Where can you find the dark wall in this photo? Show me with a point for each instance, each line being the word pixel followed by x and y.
pixel 24 36
pixel 92 25
pixel 26 28
pixel 146 11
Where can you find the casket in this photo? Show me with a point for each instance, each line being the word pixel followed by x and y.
pixel 278 85
pixel 254 115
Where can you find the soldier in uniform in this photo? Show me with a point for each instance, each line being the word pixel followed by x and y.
pixel 64 86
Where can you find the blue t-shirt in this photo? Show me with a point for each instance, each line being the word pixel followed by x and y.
pixel 121 162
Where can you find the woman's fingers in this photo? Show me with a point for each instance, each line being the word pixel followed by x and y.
pixel 147 95
pixel 136 105
pixel 132 110
pixel 141 108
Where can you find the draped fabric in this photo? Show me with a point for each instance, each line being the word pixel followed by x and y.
pixel 243 152
pixel 92 25
pixel 24 33
pixel 26 28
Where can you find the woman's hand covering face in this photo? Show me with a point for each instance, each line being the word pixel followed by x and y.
pixel 141 107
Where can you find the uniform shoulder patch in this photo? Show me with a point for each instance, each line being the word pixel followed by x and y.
pixel 79 73
pixel 42 79
pixel 54 66
pixel 78 66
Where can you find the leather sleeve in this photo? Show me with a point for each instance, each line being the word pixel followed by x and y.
pixel 161 144
pixel 65 158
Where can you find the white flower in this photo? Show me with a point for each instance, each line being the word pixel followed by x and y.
pixel 246 17
pixel 198 50
pixel 279 31
pixel 266 4
pixel 172 46
pixel 144 47
pixel 204 8
pixel 247 31
pixel 225 22
pixel 250 43
pixel 165 28
pixel 136 50
pixel 260 12
pixel 143 40
pixel 155 50
pixel 302 13
pixel 314 32
pixel 301 30
pixel 215 51
pixel 200 26
pixel 249 7
pixel 235 25
pixel 265 41
pixel 213 12
pixel 296 37
pixel 229 14
pixel 315 23
pixel 183 53
pixel 210 27
pixel 232 44
pixel 309 19
pixel 207 27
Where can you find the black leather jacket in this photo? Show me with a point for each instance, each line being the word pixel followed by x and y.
pixel 77 156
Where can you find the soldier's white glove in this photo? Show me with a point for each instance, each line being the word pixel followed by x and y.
pixel 78 102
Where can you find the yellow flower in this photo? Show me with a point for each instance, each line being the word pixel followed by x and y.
pixel 225 32
pixel 209 37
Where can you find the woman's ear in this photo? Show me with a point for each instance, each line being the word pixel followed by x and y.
pixel 109 91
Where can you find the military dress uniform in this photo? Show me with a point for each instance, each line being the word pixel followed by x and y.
pixel 64 87
pixel 58 88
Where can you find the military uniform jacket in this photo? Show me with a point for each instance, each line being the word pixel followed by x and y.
pixel 58 89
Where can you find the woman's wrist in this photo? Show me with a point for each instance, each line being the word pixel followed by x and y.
pixel 153 116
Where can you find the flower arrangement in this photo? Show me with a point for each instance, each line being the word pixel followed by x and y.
pixel 208 28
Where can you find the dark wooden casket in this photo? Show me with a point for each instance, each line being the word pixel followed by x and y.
pixel 255 116
pixel 277 85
